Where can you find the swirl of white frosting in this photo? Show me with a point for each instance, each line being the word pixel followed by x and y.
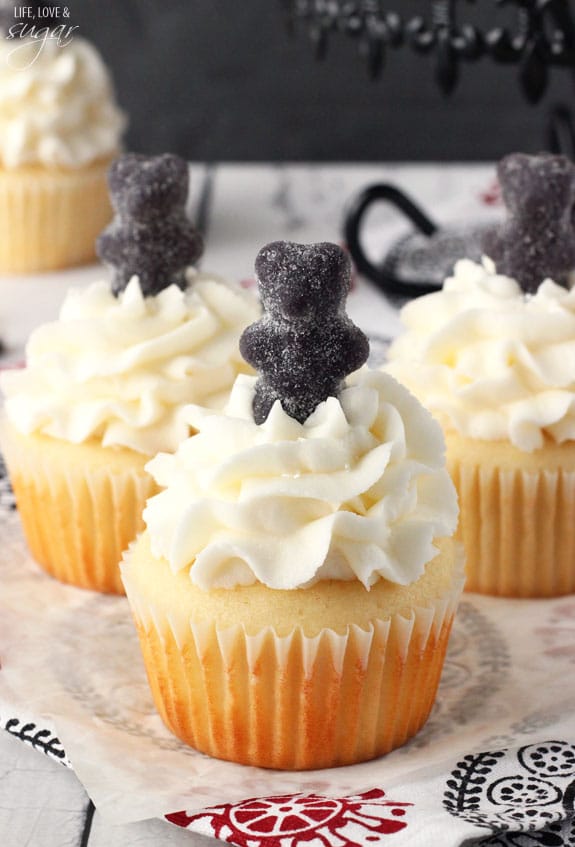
pixel 490 361
pixel 123 369
pixel 57 106
pixel 359 491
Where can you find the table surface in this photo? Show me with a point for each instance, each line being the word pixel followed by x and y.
pixel 42 803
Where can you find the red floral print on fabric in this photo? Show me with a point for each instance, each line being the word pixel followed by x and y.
pixel 290 820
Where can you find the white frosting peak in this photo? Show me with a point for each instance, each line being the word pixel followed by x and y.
pixel 495 363
pixel 123 369
pixel 57 105
pixel 358 491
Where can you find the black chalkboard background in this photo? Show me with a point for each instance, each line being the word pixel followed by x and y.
pixel 223 80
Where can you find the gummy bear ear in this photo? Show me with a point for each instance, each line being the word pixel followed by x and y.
pixel 167 174
pixel 172 168
pixel 560 181
pixel 334 265
pixel 509 176
pixel 544 177
pixel 122 169
pixel 270 260
pixel 282 258
pixel 135 180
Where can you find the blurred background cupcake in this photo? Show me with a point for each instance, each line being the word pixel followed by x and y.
pixel 60 128
pixel 105 386
pixel 492 355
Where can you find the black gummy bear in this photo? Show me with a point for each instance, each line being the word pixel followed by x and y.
pixel 150 236
pixel 305 344
pixel 537 241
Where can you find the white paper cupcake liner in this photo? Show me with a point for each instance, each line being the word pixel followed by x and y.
pixel 77 519
pixel 518 529
pixel 295 701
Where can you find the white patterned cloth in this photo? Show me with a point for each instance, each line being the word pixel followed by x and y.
pixel 494 765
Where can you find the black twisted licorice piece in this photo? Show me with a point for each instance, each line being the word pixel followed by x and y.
pixel 544 36
pixel 150 236
pixel 305 344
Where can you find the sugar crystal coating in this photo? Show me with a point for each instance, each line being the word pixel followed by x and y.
pixel 150 236
pixel 305 344
pixel 537 240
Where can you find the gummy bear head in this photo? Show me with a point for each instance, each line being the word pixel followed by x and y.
pixel 148 188
pixel 302 282
pixel 537 188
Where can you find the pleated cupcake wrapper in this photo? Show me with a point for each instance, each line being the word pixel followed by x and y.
pixel 518 529
pixel 77 521
pixel 295 701
pixel 423 623
pixel 50 220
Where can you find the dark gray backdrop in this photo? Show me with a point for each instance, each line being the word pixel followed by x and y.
pixel 223 80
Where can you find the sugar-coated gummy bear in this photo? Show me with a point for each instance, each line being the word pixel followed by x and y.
pixel 537 240
pixel 305 344
pixel 150 236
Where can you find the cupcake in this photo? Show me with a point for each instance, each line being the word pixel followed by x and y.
pixel 295 585
pixel 492 355
pixel 60 128
pixel 105 386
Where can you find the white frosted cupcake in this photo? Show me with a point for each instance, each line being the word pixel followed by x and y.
pixel 496 367
pixel 60 128
pixel 105 388
pixel 296 584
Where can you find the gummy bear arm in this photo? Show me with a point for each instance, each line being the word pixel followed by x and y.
pixel 186 248
pixel 360 349
pixel 351 350
pixel 251 346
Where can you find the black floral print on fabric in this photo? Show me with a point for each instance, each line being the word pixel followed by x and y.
pixel 525 796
